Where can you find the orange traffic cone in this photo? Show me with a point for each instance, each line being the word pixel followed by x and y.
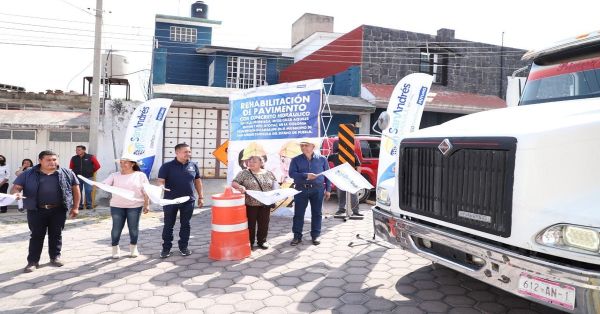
pixel 230 239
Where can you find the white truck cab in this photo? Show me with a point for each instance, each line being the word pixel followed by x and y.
pixel 511 196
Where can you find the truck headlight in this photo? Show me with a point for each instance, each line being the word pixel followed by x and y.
pixel 582 238
pixel 383 196
pixel 570 237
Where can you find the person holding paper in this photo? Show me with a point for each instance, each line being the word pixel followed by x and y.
pixel 122 209
pixel 305 169
pixel 180 177
pixel 341 194
pixel 255 177
pixel 4 175
pixel 48 191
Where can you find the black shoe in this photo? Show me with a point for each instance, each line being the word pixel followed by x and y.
pixel 264 245
pixel 358 214
pixel 340 212
pixel 316 241
pixel 296 242
pixel 31 267
pixel 21 210
pixel 165 254
pixel 185 252
pixel 57 261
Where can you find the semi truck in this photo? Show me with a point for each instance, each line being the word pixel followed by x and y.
pixel 511 196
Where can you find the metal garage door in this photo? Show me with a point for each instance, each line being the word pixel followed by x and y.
pixel 17 145
pixel 63 143
pixel 204 130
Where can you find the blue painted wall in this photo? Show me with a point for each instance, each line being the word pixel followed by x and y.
pixel 346 83
pixel 336 120
pixel 183 65
pixel 179 63
pixel 159 66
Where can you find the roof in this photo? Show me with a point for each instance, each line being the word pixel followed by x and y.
pixel 350 104
pixel 567 44
pixel 214 49
pixel 219 95
pixel 440 100
pixel 195 21
pixel 44 119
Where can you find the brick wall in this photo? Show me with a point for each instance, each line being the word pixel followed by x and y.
pixel 389 55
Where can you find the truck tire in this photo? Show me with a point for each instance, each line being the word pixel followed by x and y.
pixel 363 195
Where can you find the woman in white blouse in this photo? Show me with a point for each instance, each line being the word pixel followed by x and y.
pixel 121 209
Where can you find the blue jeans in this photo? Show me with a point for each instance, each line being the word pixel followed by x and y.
pixel 119 216
pixel 88 193
pixel 185 215
pixel 301 200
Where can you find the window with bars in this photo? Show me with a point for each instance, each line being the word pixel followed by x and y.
pixel 435 64
pixel 245 72
pixel 183 34
pixel 66 136
pixel 18 134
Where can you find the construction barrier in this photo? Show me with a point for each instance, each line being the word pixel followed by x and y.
pixel 230 238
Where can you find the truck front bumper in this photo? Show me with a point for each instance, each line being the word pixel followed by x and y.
pixel 492 264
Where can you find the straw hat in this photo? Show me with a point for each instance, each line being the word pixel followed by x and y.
pixel 254 149
pixel 290 149
pixel 131 159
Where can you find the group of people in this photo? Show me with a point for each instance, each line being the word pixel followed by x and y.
pixel 50 193
pixel 81 163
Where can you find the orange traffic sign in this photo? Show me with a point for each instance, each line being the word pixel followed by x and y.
pixel 221 152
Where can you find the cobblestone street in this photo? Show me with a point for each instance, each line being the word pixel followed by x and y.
pixel 344 274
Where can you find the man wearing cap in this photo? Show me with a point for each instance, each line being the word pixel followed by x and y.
pixel 180 177
pixel 305 169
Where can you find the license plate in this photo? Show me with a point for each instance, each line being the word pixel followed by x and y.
pixel 547 291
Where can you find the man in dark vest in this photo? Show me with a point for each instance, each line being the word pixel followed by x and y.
pixel 49 192
pixel 86 165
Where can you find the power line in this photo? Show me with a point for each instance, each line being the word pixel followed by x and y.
pixel 76 7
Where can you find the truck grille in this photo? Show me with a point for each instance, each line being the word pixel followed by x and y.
pixel 470 185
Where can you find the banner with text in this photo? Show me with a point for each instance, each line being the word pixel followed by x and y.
pixel 269 122
pixel 289 110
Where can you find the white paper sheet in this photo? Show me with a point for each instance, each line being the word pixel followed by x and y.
pixel 271 197
pixel 155 192
pixel 7 199
pixel 128 194
pixel 346 178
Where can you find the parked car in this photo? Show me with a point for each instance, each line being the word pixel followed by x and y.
pixel 366 147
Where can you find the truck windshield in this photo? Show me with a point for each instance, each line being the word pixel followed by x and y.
pixel 562 81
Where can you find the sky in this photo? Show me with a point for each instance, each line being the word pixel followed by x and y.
pixel 47 44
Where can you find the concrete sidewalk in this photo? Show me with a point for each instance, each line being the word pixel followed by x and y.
pixel 332 277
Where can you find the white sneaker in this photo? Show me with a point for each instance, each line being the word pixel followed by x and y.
pixel 116 252
pixel 134 251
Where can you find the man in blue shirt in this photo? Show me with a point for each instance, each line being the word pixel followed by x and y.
pixel 48 191
pixel 180 177
pixel 305 169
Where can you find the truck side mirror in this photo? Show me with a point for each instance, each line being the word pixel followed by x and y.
pixel 383 121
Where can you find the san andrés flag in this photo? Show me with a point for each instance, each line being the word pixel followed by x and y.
pixel 143 131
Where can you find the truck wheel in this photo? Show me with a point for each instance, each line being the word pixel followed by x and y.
pixel 363 195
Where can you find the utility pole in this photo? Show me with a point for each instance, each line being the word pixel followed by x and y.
pixel 95 108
